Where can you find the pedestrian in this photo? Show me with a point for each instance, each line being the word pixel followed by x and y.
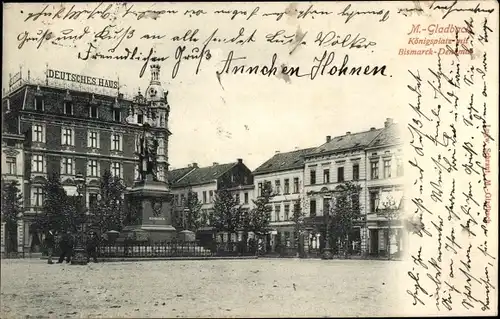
pixel 49 244
pixel 66 247
pixel 92 243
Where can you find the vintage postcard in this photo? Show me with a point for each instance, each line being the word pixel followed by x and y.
pixel 285 159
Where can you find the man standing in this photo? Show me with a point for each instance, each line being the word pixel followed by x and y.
pixel 66 247
pixel 49 243
pixel 92 243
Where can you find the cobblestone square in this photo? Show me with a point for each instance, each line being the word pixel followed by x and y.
pixel 209 288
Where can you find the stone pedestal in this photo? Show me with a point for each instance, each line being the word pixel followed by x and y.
pixel 149 205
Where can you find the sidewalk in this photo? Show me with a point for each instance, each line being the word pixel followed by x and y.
pixel 121 259
pixel 132 259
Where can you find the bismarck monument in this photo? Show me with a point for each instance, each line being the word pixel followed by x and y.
pixel 149 202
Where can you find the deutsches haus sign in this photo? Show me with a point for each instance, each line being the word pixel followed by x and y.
pixel 82 79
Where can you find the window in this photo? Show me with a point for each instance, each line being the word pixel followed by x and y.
pixel 312 208
pixel 93 112
pixel 313 177
pixel 373 201
pixel 296 185
pixel 92 199
pixel 277 211
pixel 176 199
pixel 11 165
pixel 161 147
pixel 326 206
pixel 140 118
pixel 117 116
pixel 399 167
pixel 93 141
pixel 286 189
pixel 326 176
pixel 210 196
pixel 116 169
pixel 340 174
pixel 182 199
pixel 374 170
pixel 246 198
pixel 67 166
pixel 68 108
pixel 237 197
pixel 116 142
pixel 92 168
pixel 387 169
pixel 67 136
pixel 278 186
pixel 37 196
pixel 355 172
pixel 37 165
pixel 287 212
pixel 355 203
pixel 260 189
pixel 39 103
pixel 37 130
pixel 204 196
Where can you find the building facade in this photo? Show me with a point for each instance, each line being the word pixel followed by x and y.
pixel 384 183
pixel 12 170
pixel 340 159
pixel 285 173
pixel 73 131
pixel 204 182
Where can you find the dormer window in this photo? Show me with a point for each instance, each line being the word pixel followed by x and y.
pixel 117 115
pixel 93 111
pixel 39 103
pixel 140 118
pixel 68 108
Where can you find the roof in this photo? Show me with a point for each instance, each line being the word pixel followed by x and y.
pixel 175 174
pixel 348 141
pixel 389 136
pixel 283 162
pixel 204 175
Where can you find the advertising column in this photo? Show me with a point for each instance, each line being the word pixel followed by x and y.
pixel 2 249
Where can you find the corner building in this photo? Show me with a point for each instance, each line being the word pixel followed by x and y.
pixel 69 132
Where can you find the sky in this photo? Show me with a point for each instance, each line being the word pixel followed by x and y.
pixel 242 116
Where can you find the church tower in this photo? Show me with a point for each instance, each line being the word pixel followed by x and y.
pixel 159 109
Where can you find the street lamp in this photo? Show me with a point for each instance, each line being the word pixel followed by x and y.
pixel 184 218
pixel 300 224
pixel 327 251
pixel 79 257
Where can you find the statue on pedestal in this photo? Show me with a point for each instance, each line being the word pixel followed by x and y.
pixel 147 149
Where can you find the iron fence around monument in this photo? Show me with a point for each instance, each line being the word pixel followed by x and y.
pixel 173 249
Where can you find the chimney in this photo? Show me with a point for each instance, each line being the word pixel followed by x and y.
pixel 328 138
pixel 215 163
pixel 347 133
pixel 195 165
pixel 372 129
pixel 388 122
pixel 240 160
pixel 276 152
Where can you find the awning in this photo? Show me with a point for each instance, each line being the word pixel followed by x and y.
pixel 390 200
